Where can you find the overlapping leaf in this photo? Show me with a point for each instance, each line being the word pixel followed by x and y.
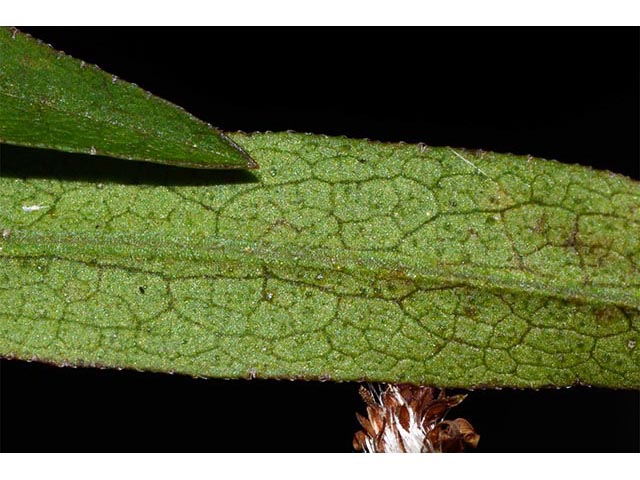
pixel 339 259
pixel 50 100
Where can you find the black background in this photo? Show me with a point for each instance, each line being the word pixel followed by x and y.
pixel 568 94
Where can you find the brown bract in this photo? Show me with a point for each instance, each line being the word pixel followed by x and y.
pixel 410 419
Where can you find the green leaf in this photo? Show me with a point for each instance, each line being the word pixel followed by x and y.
pixel 50 100
pixel 339 259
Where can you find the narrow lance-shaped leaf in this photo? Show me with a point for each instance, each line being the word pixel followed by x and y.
pixel 50 100
pixel 339 259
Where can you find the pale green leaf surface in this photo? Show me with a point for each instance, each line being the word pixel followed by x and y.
pixel 50 100
pixel 339 259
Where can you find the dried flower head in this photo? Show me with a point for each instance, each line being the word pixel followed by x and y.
pixel 410 419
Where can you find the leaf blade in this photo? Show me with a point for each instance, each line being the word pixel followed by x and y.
pixel 50 100
pixel 345 260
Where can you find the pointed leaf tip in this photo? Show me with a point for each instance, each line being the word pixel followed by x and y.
pixel 51 100
pixel 251 164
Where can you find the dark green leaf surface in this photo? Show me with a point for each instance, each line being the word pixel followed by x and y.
pixel 50 100
pixel 339 259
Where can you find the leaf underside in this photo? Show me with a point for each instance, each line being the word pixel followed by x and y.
pixel 51 100
pixel 339 259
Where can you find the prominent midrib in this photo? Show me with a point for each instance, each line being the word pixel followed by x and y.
pixel 116 251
